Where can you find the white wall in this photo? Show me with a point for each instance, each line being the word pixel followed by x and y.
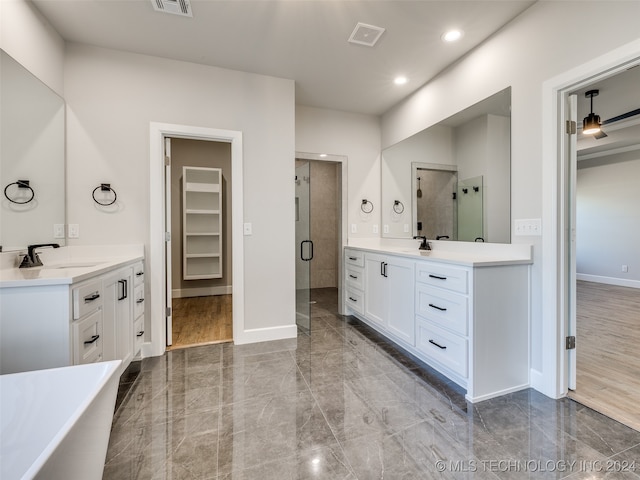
pixel 543 42
pixel 29 38
pixel 113 96
pixel 357 137
pixel 608 222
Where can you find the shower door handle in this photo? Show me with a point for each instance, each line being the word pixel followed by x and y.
pixel 310 257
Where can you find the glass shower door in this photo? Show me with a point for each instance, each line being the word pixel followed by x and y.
pixel 303 246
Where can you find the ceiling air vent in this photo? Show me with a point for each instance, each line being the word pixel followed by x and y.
pixel 176 7
pixel 365 34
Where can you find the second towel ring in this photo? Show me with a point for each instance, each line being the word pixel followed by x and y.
pixel 364 207
pixel 398 206
pixel 104 187
pixel 20 184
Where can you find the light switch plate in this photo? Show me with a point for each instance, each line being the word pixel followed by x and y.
pixel 375 228
pixel 528 227
pixel 248 229
pixel 74 230
pixel 354 228
pixel 58 230
pixel 386 229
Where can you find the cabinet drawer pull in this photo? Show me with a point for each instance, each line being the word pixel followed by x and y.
pixel 140 300
pixel 92 297
pixel 437 345
pixel 353 258
pixel 353 299
pixel 94 339
pixel 353 276
pixel 138 274
pixel 437 277
pixel 437 307
pixel 139 334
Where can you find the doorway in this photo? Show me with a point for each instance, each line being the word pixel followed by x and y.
pixel 159 253
pixel 603 294
pixel 201 221
pixel 318 217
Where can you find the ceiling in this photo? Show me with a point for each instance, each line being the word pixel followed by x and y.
pixel 303 40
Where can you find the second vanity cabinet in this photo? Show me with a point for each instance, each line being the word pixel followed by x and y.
pixel 467 319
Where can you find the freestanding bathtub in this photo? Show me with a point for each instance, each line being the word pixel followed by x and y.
pixel 55 423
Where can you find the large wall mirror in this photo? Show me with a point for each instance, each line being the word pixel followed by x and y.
pixel 32 159
pixel 452 181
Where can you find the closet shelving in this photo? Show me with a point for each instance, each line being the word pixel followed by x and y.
pixel 201 223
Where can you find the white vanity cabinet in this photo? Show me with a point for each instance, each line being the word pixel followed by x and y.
pixel 389 290
pixel 354 280
pixel 55 319
pixel 138 308
pixel 468 319
pixel 118 316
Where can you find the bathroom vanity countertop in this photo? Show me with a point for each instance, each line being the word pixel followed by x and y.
pixel 69 266
pixel 486 255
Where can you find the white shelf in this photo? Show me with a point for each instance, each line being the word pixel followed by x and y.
pixel 201 223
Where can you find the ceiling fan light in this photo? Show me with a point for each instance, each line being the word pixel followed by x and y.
pixel 591 124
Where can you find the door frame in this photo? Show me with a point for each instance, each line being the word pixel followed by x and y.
pixel 158 226
pixel 553 379
pixel 342 239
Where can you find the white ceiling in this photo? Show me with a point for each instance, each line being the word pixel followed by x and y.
pixel 303 40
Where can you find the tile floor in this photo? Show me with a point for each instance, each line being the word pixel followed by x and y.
pixel 342 403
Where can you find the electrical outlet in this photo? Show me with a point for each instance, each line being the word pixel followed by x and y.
pixel 247 229
pixel 386 229
pixel 625 268
pixel 58 230
pixel 74 230
pixel 375 228
pixel 354 228
pixel 406 228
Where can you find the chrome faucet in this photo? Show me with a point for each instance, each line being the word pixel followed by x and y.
pixel 31 259
pixel 424 245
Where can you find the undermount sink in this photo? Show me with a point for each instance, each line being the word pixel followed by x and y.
pixel 71 265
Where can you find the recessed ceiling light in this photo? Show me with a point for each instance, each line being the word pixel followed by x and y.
pixel 400 80
pixel 323 155
pixel 452 35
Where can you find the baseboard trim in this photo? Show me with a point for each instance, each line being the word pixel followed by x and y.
pixel 620 282
pixel 201 292
pixel 497 393
pixel 265 334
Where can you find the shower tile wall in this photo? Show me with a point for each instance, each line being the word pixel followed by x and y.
pixel 324 224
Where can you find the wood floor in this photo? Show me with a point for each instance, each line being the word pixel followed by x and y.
pixel 201 320
pixel 608 351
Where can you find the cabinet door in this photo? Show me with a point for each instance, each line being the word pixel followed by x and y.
pixel 118 316
pixel 400 294
pixel 376 289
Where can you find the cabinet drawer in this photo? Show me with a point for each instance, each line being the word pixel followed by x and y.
pixel 354 257
pixel 87 298
pixel 355 277
pixel 87 338
pixel 446 309
pixel 138 295
pixel 443 276
pixel 355 300
pixel 446 348
pixel 138 274
pixel 138 332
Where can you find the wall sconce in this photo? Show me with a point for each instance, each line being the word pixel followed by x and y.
pixel 591 123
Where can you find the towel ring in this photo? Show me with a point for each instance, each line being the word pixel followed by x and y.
pixel 398 206
pixel 20 184
pixel 104 187
pixel 364 207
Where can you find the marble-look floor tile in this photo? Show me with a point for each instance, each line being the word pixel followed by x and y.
pixel 341 402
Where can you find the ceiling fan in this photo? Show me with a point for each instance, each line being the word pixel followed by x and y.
pixel 591 124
